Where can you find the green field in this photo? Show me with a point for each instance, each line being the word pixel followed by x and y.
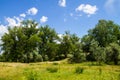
pixel 58 71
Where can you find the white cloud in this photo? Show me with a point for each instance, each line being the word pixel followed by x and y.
pixel 15 21
pixel 43 19
pixel 32 11
pixel 62 3
pixel 23 15
pixel 87 9
pixel 11 21
pixel 3 29
pixel 61 37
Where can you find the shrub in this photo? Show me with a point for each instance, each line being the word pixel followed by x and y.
pixel 113 53
pixel 37 57
pixel 52 69
pixel 30 74
pixel 79 70
pixel 77 58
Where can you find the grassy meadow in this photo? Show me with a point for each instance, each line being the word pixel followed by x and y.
pixel 58 71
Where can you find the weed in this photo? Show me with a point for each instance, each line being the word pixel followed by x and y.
pixel 52 69
pixel 30 74
pixel 79 70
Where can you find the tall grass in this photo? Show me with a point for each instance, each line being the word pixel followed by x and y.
pixel 49 71
pixel 52 69
pixel 79 70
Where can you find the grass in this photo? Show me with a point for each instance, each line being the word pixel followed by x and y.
pixel 79 70
pixel 52 69
pixel 61 71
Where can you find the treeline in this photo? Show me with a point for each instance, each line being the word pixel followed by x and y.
pixel 27 43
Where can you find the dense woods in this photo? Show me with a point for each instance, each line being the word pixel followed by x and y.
pixel 30 43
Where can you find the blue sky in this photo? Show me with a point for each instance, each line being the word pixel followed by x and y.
pixel 76 16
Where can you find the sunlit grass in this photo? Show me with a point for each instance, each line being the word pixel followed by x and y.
pixel 38 71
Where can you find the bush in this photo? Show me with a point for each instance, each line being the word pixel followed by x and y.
pixel 77 58
pixel 30 74
pixel 79 70
pixel 52 69
pixel 113 53
pixel 37 57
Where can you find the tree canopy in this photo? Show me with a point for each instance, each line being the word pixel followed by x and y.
pixel 30 42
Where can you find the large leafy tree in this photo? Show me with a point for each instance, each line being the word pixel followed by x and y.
pixel 76 49
pixel 98 38
pixel 47 46
pixel 105 32
pixel 20 42
pixel 97 52
pixel 65 46
pixel 113 53
pixel 70 47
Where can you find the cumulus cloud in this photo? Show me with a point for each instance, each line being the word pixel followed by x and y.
pixel 3 29
pixel 87 9
pixel 23 15
pixel 43 19
pixel 15 21
pixel 11 21
pixel 62 3
pixel 32 11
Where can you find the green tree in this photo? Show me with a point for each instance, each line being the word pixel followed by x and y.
pixel 113 53
pixel 97 52
pixel 65 46
pixel 76 51
pixel 105 32
pixel 19 42
pixel 47 46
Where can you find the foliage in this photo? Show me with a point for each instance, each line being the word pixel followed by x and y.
pixel 97 52
pixel 52 69
pixel 105 32
pixel 21 71
pixel 47 46
pixel 32 43
pixel 30 74
pixel 113 53
pixel 20 42
pixel 96 44
pixel 79 70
